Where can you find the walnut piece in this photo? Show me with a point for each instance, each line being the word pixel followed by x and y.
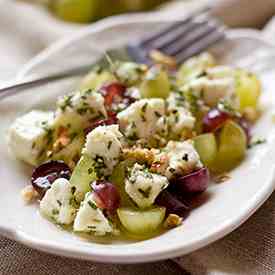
pixel 172 221
pixel 139 154
pixel 29 194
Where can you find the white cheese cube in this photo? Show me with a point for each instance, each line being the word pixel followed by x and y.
pixel 212 90
pixel 143 187
pixel 140 119
pixel 77 110
pixel 29 136
pixel 58 202
pixel 90 218
pixel 182 158
pixel 104 146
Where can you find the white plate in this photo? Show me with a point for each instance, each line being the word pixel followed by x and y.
pixel 226 205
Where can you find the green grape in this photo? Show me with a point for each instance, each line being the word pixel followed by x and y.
pixel 94 80
pixel 248 89
pixel 80 11
pixel 206 147
pixel 141 222
pixel 232 147
pixel 155 84
pixel 118 178
pixel 82 176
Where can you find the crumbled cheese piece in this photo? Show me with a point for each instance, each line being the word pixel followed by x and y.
pixel 130 73
pixel 143 186
pixel 211 91
pixel 29 194
pixel 58 202
pixel 30 134
pixel 183 158
pixel 79 108
pixel 139 120
pixel 90 218
pixel 172 221
pixel 220 72
pixel 104 146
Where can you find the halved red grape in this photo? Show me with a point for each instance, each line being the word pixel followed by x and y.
pixel 45 174
pixel 195 182
pixel 171 203
pixel 214 120
pixel 107 195
pixel 101 122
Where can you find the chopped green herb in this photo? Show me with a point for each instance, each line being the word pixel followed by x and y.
pixel 145 193
pixel 157 114
pixel 109 145
pixel 185 157
pixel 55 212
pixel 92 205
pixel 90 171
pixel 143 118
pixel 172 170
pixel 73 189
pixel 66 102
pixel 144 107
pixel 256 142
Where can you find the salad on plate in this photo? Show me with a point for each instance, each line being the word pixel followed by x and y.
pixel 127 151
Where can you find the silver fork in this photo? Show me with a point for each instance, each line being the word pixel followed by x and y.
pixel 181 40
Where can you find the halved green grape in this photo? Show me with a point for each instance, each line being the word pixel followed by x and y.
pixel 82 176
pixel 71 151
pixel 118 178
pixel 80 11
pixel 232 147
pixel 206 147
pixel 155 84
pixel 141 222
pixel 94 80
pixel 248 89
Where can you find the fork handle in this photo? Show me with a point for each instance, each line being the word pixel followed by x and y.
pixel 243 13
pixel 12 89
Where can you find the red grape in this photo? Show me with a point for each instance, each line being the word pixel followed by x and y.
pixel 101 122
pixel 45 174
pixel 107 195
pixel 214 120
pixel 195 182
pixel 171 203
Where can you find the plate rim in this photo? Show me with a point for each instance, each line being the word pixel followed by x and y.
pixel 68 251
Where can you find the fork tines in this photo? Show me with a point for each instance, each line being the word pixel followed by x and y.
pixel 182 39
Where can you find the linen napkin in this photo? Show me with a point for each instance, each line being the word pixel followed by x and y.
pixel 24 31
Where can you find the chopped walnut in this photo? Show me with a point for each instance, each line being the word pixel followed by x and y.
pixel 139 154
pixel 160 164
pixel 163 59
pixel 29 194
pixel 221 178
pixel 62 140
pixel 172 221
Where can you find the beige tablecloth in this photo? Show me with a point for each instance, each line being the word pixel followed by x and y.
pixel 26 30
